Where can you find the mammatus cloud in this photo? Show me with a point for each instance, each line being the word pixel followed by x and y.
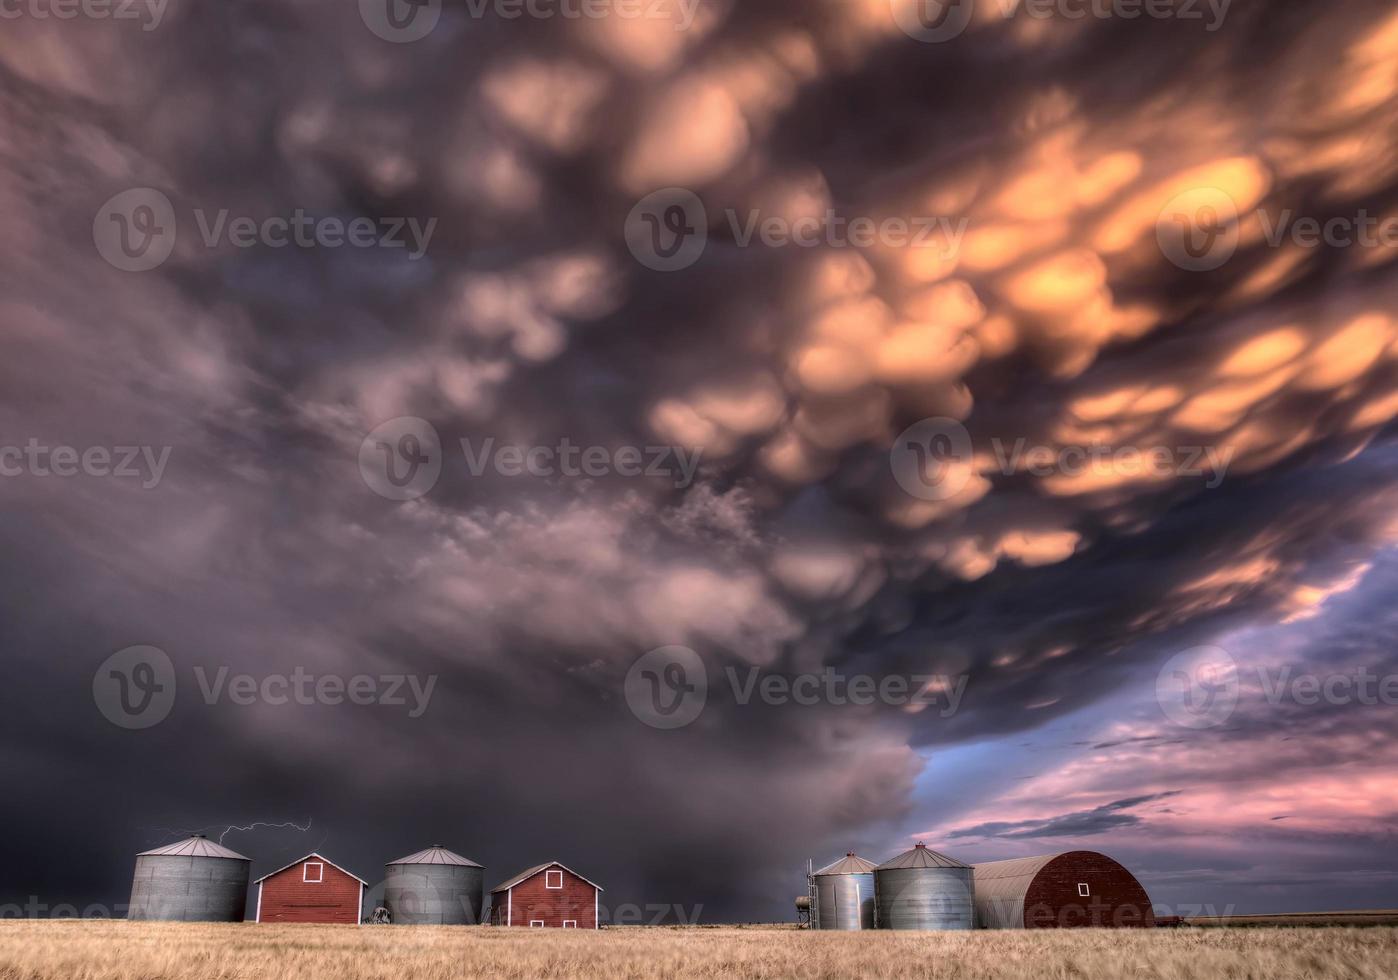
pixel 1055 306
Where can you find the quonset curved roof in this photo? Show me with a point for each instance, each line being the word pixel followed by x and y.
pixel 196 846
pixel 850 864
pixel 1001 888
pixel 437 854
pixel 921 856
pixel 1015 867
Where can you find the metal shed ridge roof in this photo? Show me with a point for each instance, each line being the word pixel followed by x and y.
pixel 437 854
pixel 850 864
pixel 196 846
pixel 531 872
pixel 921 856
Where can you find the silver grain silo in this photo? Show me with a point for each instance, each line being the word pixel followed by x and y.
pixel 434 887
pixel 844 894
pixel 194 880
pixel 921 889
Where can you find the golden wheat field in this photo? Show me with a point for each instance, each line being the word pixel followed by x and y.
pixel 118 950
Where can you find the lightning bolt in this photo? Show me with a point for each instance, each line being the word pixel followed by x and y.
pixel 263 823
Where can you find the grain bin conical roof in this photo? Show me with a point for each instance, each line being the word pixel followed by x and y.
pixel 921 856
pixel 850 864
pixel 437 854
pixel 196 846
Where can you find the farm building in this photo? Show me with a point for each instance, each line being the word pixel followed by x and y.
pixel 433 887
pixel 922 889
pixel 1058 891
pixel 193 880
pixel 312 889
pixel 549 896
pixel 842 894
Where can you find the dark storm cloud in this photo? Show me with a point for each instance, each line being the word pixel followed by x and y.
pixel 527 321
pixel 1084 823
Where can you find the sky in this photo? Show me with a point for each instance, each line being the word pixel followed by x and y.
pixel 538 434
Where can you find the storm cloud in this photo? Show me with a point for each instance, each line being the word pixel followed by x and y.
pixel 1160 454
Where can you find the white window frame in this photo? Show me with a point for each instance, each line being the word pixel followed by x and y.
pixel 306 872
pixel 570 923
pixel 1083 890
pixel 553 871
pixel 536 923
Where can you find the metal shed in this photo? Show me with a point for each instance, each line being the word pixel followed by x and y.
pixel 1070 889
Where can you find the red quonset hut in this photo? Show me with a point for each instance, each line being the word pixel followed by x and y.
pixel 312 889
pixel 1073 889
pixel 547 896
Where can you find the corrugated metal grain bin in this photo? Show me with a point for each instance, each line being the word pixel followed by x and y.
pixel 921 889
pixel 434 887
pixel 844 894
pixel 194 880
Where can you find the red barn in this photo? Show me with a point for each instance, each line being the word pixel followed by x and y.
pixel 1074 889
pixel 312 889
pixel 548 896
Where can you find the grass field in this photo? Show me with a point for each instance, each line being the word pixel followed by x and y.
pixel 1374 917
pixel 118 950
